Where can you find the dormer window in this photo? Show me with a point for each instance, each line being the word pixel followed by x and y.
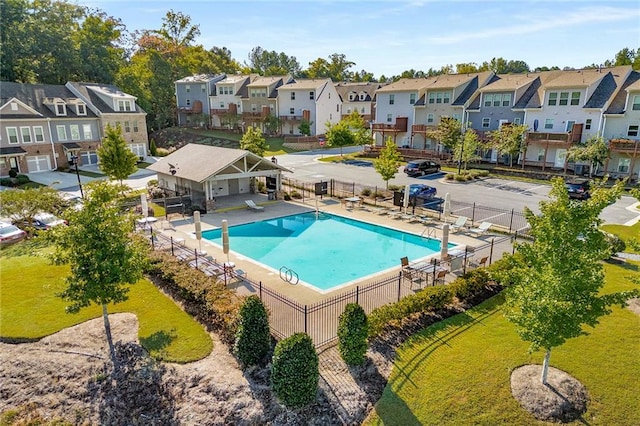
pixel 82 109
pixel 362 96
pixel 124 105
pixel 351 96
pixel 61 109
pixel 293 96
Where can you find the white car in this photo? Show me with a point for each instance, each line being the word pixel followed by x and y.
pixel 10 234
pixel 44 221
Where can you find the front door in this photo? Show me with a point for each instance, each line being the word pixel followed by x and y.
pixel 561 155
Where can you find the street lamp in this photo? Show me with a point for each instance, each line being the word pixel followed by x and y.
pixel 74 159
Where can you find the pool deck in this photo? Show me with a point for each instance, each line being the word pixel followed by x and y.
pixel 234 210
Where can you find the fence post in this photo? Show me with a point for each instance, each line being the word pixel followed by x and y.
pixel 358 294
pixel 464 261
pixel 353 190
pixel 473 213
pixel 153 244
pixel 172 246
pixel 515 238
pixel 491 251
pixel 260 289
pixel 399 284
pixel 305 319
pixel 195 252
pixel 511 221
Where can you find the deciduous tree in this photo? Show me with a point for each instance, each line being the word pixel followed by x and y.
pixel 116 159
pixel 509 139
pixel 21 205
pixel 388 161
pixel 339 135
pixel 465 150
pixel 254 141
pixel 448 132
pixel 594 150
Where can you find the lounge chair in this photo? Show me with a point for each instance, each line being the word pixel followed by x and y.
pixel 482 229
pixel 459 224
pixel 253 206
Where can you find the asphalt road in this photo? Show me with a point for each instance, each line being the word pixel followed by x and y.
pixel 493 192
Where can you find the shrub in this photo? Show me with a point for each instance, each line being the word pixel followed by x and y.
pixel 6 182
pixel 262 187
pixel 395 187
pixel 162 152
pixel 449 176
pixel 253 338
pixel 470 284
pixel 13 173
pixel 460 178
pixel 295 194
pixel 287 197
pixel 153 148
pixel 353 329
pixel 365 192
pixel 294 371
pixel 616 244
pixel 22 179
pixel 428 300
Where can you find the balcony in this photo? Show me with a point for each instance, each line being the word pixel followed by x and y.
pixel 253 115
pixel 291 117
pixel 550 138
pixel 625 145
pixel 399 126
pixel 220 111
pixel 423 128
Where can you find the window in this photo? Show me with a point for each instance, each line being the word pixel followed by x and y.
pixel 292 111
pixel 362 110
pixel 488 99
pixel 497 100
pixel 636 103
pixel 362 96
pixel 623 165
pixel 311 96
pixel 570 124
pixel 62 133
pixel 432 98
pixel 38 134
pixel 88 133
pixel 553 98
pixel 203 88
pixel 412 98
pixel 348 110
pixel 337 107
pixel 506 99
pixel 548 123
pixel 486 122
pixel 25 133
pixel 439 97
pixel 75 132
pixel 188 102
pixel 187 88
pixel 429 118
pixel 446 97
pixel 587 124
pixel 82 109
pixel 392 99
pixel 517 120
pixel 124 105
pixel 564 98
pixel 575 98
pixel 254 107
pixel 127 127
pixel 351 96
pixel 633 130
pixel 389 117
pixel 12 133
pixel 61 109
pixel 293 96
pixel 221 105
pixel 541 153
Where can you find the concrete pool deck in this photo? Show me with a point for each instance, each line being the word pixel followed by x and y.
pixel 235 211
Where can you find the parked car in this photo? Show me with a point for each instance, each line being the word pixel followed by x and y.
pixel 44 221
pixel 578 189
pixel 421 167
pixel 10 234
pixel 420 191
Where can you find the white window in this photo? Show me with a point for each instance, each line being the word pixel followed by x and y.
pixel 488 99
pixel 486 122
pixel 506 99
pixel 12 133
pixel 203 88
pixel 127 127
pixel 541 153
pixel 497 99
pixel 311 96
pixel 432 97
pixel 362 96
pixel 548 123
pixel 636 103
pixel 389 118
pixel 38 134
pixel 392 99
pixel 136 129
pixel 439 97
pixel 14 107
pixel 587 124
pixel 292 111
pixel 187 88
pixel 86 130
pixel 82 109
pixel 254 107
pixel 633 130
pixel 517 120
pixel 623 165
pixel 138 149
pixel 75 132
pixel 553 98
pixel 62 133
pixel 124 105
pixel 293 96
pixel 221 105
pixel 446 97
pixel 575 98
pixel 61 109
pixel 412 98
pixel 564 98
pixel 570 124
pixel 429 118
pixel 351 96
pixel 25 133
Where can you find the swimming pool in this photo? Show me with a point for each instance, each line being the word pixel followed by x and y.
pixel 327 252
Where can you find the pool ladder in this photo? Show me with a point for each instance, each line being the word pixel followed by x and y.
pixel 289 275
pixel 431 232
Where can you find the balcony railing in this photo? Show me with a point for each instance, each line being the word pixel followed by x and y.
pixel 382 127
pixel 563 138
pixel 423 128
pixel 253 115
pixel 216 111
pixel 624 145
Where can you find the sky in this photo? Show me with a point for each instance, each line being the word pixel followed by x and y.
pixel 389 37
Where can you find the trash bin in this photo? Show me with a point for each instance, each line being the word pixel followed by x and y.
pixel 271 194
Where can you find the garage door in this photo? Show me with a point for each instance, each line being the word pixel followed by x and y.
pixel 38 163
pixel 89 158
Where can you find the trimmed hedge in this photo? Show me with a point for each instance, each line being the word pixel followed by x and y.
pixel 253 337
pixel 353 329
pixel 295 373
pixel 470 284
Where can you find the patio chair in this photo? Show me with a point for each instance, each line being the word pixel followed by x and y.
pixel 482 229
pixel 480 263
pixel 253 206
pixel 404 261
pixel 414 277
pixel 459 224
pixel 440 276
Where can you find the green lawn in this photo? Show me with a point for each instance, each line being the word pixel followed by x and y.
pixel 31 310
pixel 457 372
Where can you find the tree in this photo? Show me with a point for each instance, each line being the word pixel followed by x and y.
pixel 223 62
pixel 268 63
pixel 21 205
pixel 305 127
pixel 594 150
pixel 448 132
pixel 254 141
pixel 339 135
pixel 357 125
pixel 103 255
pixel 465 150
pixel 555 286
pixel 116 159
pixel 509 139
pixel 271 124
pixel 388 161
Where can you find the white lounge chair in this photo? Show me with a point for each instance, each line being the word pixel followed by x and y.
pixel 482 229
pixel 253 206
pixel 459 224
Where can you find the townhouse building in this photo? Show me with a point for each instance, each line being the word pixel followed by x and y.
pixel 45 127
pixel 313 100
pixel 193 98
pixel 226 101
pixel 359 97
pixel 261 99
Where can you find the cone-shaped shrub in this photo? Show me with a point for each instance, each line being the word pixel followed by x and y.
pixel 352 334
pixel 252 337
pixel 294 374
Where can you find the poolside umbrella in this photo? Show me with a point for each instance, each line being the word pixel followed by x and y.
pixel 196 222
pixel 405 200
pixel 225 238
pixel 445 241
pixel 145 206
pixel 447 206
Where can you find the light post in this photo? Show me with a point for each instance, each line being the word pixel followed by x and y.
pixel 460 159
pixel 74 158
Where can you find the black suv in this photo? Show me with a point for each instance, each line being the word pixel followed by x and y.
pixel 578 189
pixel 421 167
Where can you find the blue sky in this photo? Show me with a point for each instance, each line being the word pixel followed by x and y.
pixel 388 37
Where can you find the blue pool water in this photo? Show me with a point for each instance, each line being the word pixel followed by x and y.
pixel 326 252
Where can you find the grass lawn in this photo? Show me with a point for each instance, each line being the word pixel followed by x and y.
pixel 627 233
pixel 457 372
pixel 31 310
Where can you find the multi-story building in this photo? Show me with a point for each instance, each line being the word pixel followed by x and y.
pixel 261 99
pixel 226 102
pixel 358 97
pixel 193 99
pixel 313 100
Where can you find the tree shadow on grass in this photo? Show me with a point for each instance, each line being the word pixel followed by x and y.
pixel 158 341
